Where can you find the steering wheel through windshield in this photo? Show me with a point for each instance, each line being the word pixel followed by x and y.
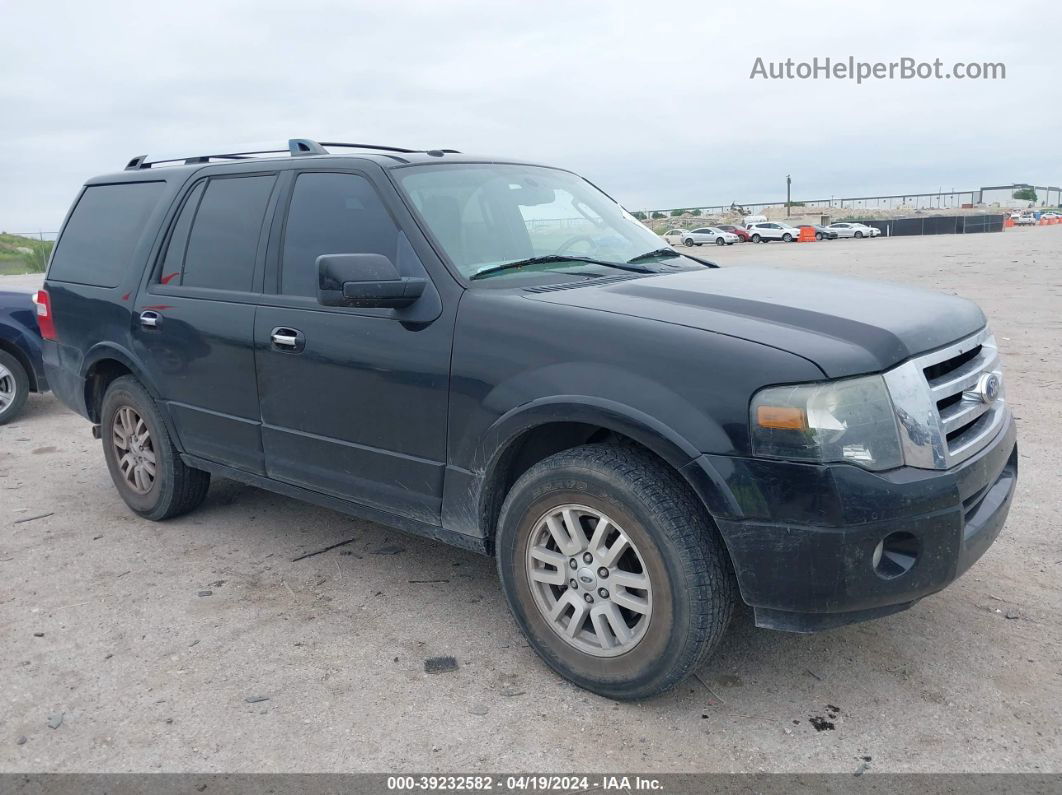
pixel 574 240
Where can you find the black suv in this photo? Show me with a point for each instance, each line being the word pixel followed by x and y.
pixel 497 355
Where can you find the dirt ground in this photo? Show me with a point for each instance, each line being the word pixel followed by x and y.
pixel 153 643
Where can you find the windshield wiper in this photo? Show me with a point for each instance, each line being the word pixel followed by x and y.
pixel 523 263
pixel 659 252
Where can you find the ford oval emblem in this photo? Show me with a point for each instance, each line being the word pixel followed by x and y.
pixel 988 387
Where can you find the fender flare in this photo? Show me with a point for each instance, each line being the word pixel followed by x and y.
pixel 646 430
pixel 643 428
pixel 16 344
pixel 110 350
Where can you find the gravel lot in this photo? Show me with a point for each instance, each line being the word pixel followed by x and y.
pixel 153 642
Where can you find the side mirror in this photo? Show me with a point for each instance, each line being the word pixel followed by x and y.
pixel 364 280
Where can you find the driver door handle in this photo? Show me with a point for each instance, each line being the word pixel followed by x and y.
pixel 288 339
pixel 150 319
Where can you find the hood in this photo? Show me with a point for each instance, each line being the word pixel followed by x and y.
pixel 845 326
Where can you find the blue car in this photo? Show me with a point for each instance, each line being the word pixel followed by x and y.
pixel 21 369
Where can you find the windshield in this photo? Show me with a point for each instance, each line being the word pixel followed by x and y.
pixel 486 215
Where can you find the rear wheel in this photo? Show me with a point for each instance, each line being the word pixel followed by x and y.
pixel 14 387
pixel 145 467
pixel 613 571
pixel 756 238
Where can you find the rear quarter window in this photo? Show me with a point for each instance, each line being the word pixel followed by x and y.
pixel 98 242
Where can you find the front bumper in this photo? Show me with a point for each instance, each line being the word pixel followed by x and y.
pixel 803 537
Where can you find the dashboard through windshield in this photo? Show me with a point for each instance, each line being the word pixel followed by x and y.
pixel 491 215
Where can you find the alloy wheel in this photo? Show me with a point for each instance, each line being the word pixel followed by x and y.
pixel 7 387
pixel 589 580
pixel 134 449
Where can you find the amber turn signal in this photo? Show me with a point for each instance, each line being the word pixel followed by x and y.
pixel 783 418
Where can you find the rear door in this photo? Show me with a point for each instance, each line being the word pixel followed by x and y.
pixel 194 319
pixel 356 406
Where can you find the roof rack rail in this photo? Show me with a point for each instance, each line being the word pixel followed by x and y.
pixel 297 147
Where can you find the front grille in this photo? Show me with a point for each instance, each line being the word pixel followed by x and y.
pixel 937 371
pixel 944 403
pixel 953 376
pixel 943 411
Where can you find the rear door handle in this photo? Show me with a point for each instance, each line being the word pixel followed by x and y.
pixel 150 319
pixel 288 339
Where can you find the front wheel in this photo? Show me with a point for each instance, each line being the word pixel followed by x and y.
pixel 818 235
pixel 613 570
pixel 688 242
pixel 858 234
pixel 145 467
pixel 720 242
pixel 14 387
pixel 788 238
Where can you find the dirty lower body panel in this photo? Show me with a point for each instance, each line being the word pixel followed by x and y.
pixel 816 547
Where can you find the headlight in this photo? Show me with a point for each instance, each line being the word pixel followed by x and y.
pixel 851 421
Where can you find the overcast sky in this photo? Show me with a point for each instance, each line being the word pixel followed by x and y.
pixel 651 101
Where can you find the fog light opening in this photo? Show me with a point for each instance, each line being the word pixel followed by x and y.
pixel 894 555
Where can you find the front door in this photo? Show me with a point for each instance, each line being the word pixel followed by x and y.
pixel 194 322
pixel 353 401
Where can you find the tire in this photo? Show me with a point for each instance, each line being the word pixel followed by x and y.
pixel 720 242
pixel 14 387
pixel 681 616
pixel 756 238
pixel 818 235
pixel 688 242
pixel 787 238
pixel 173 488
pixel 858 234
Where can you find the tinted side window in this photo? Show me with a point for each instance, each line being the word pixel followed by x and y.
pixel 98 242
pixel 173 263
pixel 223 243
pixel 332 214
